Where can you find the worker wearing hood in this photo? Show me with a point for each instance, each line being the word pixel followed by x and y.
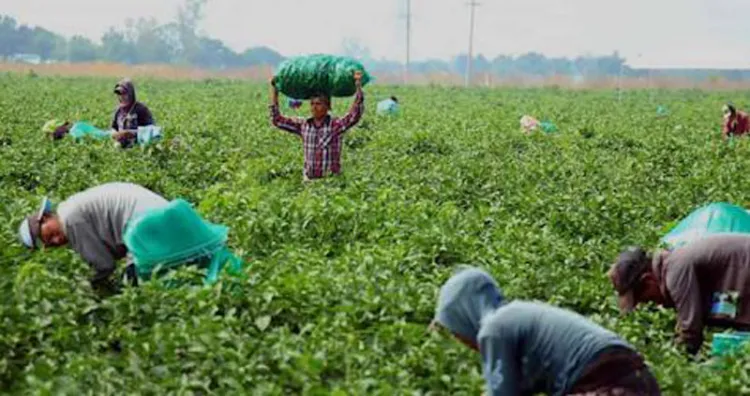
pixel 129 115
pixel 529 348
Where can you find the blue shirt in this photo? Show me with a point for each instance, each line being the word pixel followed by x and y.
pixel 530 347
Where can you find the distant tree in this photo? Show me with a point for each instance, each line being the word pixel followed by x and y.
pixel 150 41
pixel 117 48
pixel 480 64
pixel 189 15
pixel 261 56
pixel 24 39
pixel 214 54
pixel 8 43
pixel 503 65
pixel 533 63
pixel 81 49
pixel 43 43
pixel 431 66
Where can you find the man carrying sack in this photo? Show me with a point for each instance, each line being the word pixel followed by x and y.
pixel 321 134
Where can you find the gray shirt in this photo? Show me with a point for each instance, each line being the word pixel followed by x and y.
pixel 94 221
pixel 530 347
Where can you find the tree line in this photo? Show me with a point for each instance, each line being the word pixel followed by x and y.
pixel 141 41
pixel 145 41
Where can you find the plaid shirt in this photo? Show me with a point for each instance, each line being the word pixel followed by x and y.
pixel 737 125
pixel 321 144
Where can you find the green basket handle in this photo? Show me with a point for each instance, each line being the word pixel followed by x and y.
pixel 217 264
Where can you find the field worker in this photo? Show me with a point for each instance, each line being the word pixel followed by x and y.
pixel 321 134
pixel 529 348
pixel 57 129
pixel 92 223
pixel 707 281
pixel 129 115
pixel 736 123
pixel 388 106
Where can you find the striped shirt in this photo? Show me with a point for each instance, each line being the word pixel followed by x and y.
pixel 321 144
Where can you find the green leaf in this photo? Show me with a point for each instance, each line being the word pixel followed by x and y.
pixel 262 322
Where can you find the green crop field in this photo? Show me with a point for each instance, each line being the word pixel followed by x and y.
pixel 343 273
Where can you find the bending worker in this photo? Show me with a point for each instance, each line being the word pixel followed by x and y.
pixel 529 348
pixel 706 281
pixel 92 223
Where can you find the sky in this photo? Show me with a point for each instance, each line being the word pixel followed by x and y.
pixel 649 33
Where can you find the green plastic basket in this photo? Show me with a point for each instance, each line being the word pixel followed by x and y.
pixel 724 344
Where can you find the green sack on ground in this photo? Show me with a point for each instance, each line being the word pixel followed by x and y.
pixel 82 129
pixel 305 76
pixel 718 217
pixel 548 127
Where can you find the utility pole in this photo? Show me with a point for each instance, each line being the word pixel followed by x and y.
pixel 408 41
pixel 619 83
pixel 472 4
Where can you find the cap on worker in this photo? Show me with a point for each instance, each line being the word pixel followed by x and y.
pixel 625 273
pixel 30 228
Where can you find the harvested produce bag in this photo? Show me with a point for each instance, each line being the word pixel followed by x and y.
pixel 174 235
pixel 149 134
pixel 305 76
pixel 718 217
pixel 81 130
pixel 387 107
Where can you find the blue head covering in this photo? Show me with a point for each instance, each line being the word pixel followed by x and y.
pixel 465 299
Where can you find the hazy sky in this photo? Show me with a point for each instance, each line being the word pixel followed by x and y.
pixel 667 33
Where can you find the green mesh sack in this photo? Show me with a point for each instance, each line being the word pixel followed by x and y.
pixel 176 235
pixel 82 130
pixel 304 77
pixel 715 218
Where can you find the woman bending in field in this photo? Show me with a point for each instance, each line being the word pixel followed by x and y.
pixel 736 123
pixel 529 348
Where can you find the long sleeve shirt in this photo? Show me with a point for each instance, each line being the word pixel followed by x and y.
pixel 708 282
pixel 321 143
pixel 737 125
pixel 529 348
pixel 94 222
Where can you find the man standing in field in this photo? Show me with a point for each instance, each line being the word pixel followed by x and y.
pixel 529 348
pixel 92 223
pixel 736 123
pixel 321 134
pixel 707 281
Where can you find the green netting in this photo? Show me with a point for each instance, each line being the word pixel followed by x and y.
pixel 715 218
pixel 724 344
pixel 305 76
pixel 81 130
pixel 175 235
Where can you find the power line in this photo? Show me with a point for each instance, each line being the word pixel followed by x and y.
pixel 408 41
pixel 472 4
